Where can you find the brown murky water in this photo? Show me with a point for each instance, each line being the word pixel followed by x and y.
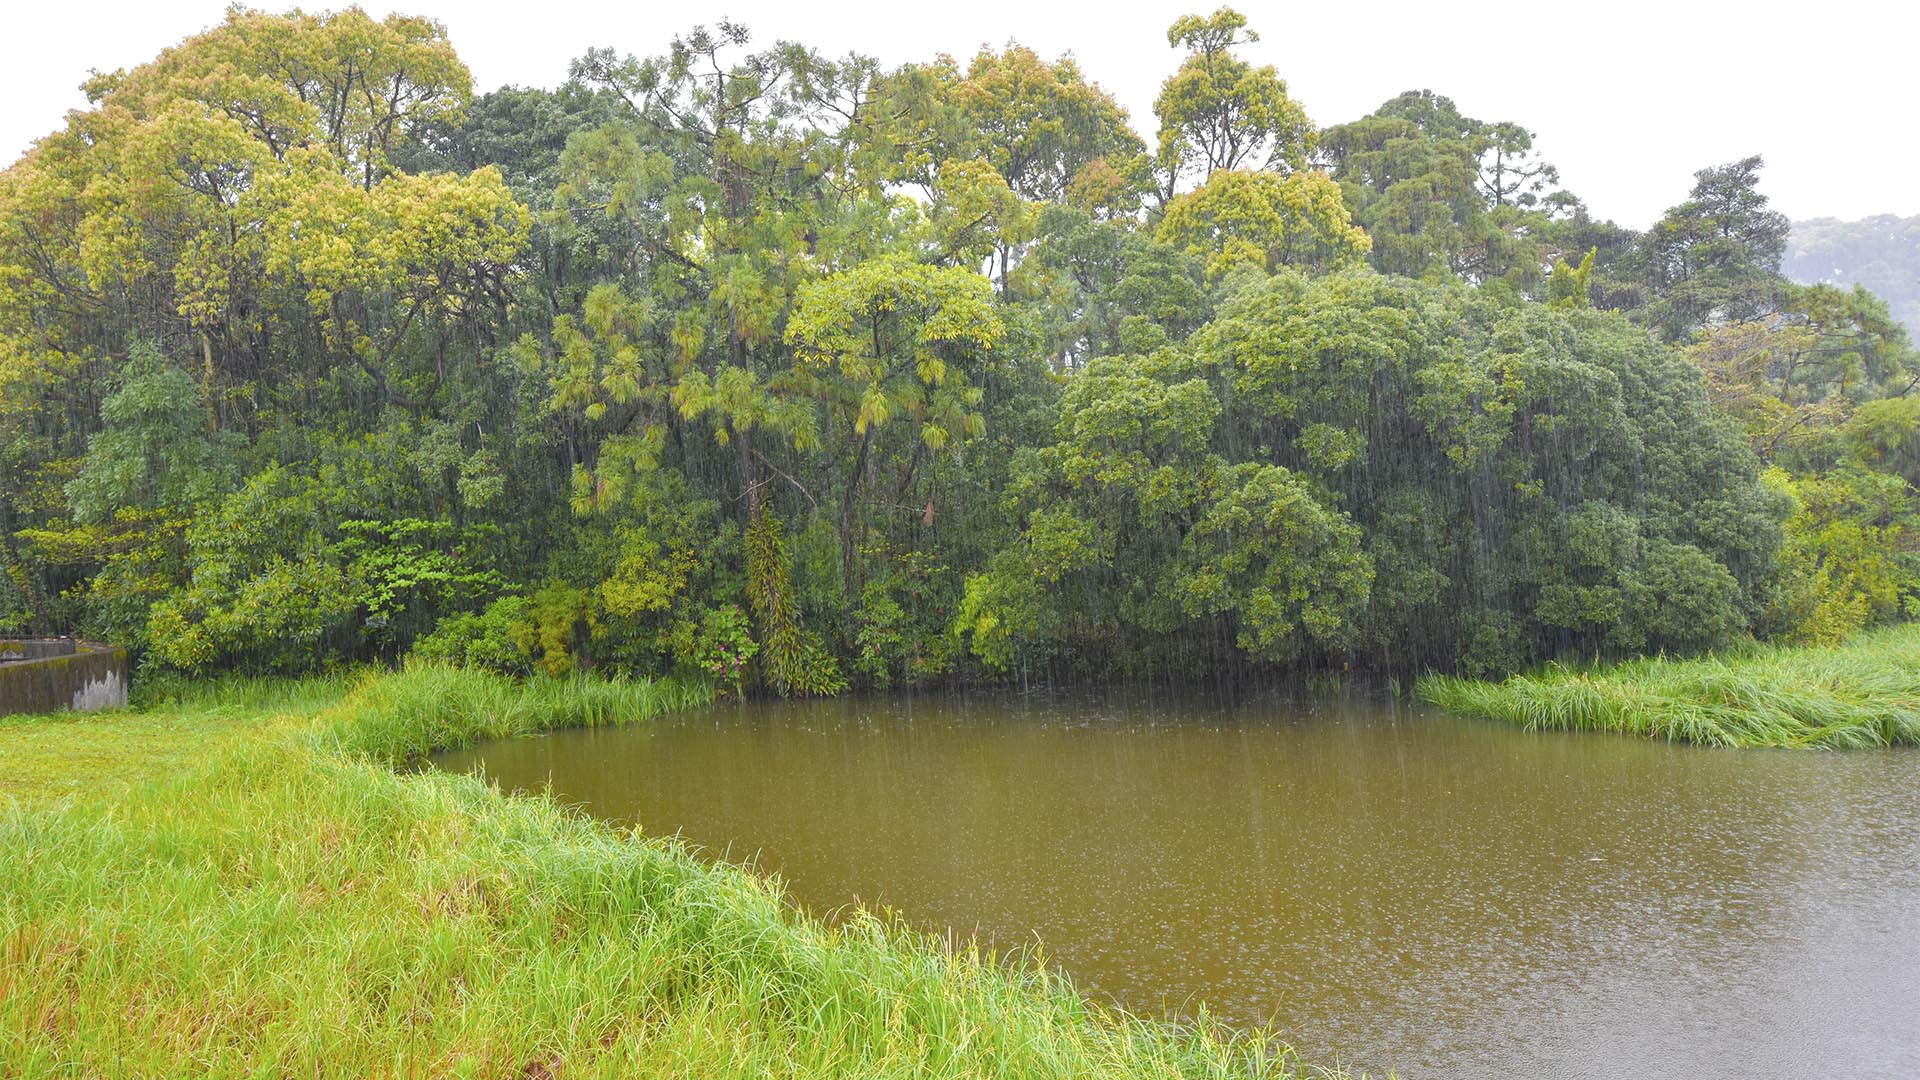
pixel 1389 888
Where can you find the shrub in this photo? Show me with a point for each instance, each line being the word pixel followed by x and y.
pixel 489 639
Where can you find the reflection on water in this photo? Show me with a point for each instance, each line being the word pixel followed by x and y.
pixel 1390 888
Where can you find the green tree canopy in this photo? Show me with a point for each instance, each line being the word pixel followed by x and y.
pixel 1217 111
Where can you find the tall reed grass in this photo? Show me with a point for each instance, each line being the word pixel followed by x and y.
pixel 290 905
pixel 1864 692
pixel 243 695
pixel 400 716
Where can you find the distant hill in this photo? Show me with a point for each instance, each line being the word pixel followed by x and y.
pixel 1882 253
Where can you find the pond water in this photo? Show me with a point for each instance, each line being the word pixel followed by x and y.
pixel 1389 888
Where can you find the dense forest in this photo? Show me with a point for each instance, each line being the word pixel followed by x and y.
pixel 804 373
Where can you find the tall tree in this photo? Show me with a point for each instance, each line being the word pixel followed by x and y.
pixel 726 172
pixel 1715 259
pixel 1038 124
pixel 1045 131
pixel 1444 193
pixel 1217 111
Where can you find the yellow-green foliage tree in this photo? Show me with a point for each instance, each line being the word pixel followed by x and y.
pixel 1220 112
pixel 235 203
pixel 1039 124
pixel 1265 220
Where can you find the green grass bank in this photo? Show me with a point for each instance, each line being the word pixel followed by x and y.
pixel 235 882
pixel 1864 692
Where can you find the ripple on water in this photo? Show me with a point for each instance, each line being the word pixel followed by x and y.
pixel 1389 888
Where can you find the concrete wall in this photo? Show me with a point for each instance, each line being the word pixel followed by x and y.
pixel 50 674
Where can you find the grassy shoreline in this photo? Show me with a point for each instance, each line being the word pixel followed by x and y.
pixel 1864 692
pixel 238 883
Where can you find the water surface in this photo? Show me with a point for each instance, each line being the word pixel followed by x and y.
pixel 1389 888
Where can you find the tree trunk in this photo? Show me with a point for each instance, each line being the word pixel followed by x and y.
pixel 850 513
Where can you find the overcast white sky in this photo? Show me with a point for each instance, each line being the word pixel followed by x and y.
pixel 1628 98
